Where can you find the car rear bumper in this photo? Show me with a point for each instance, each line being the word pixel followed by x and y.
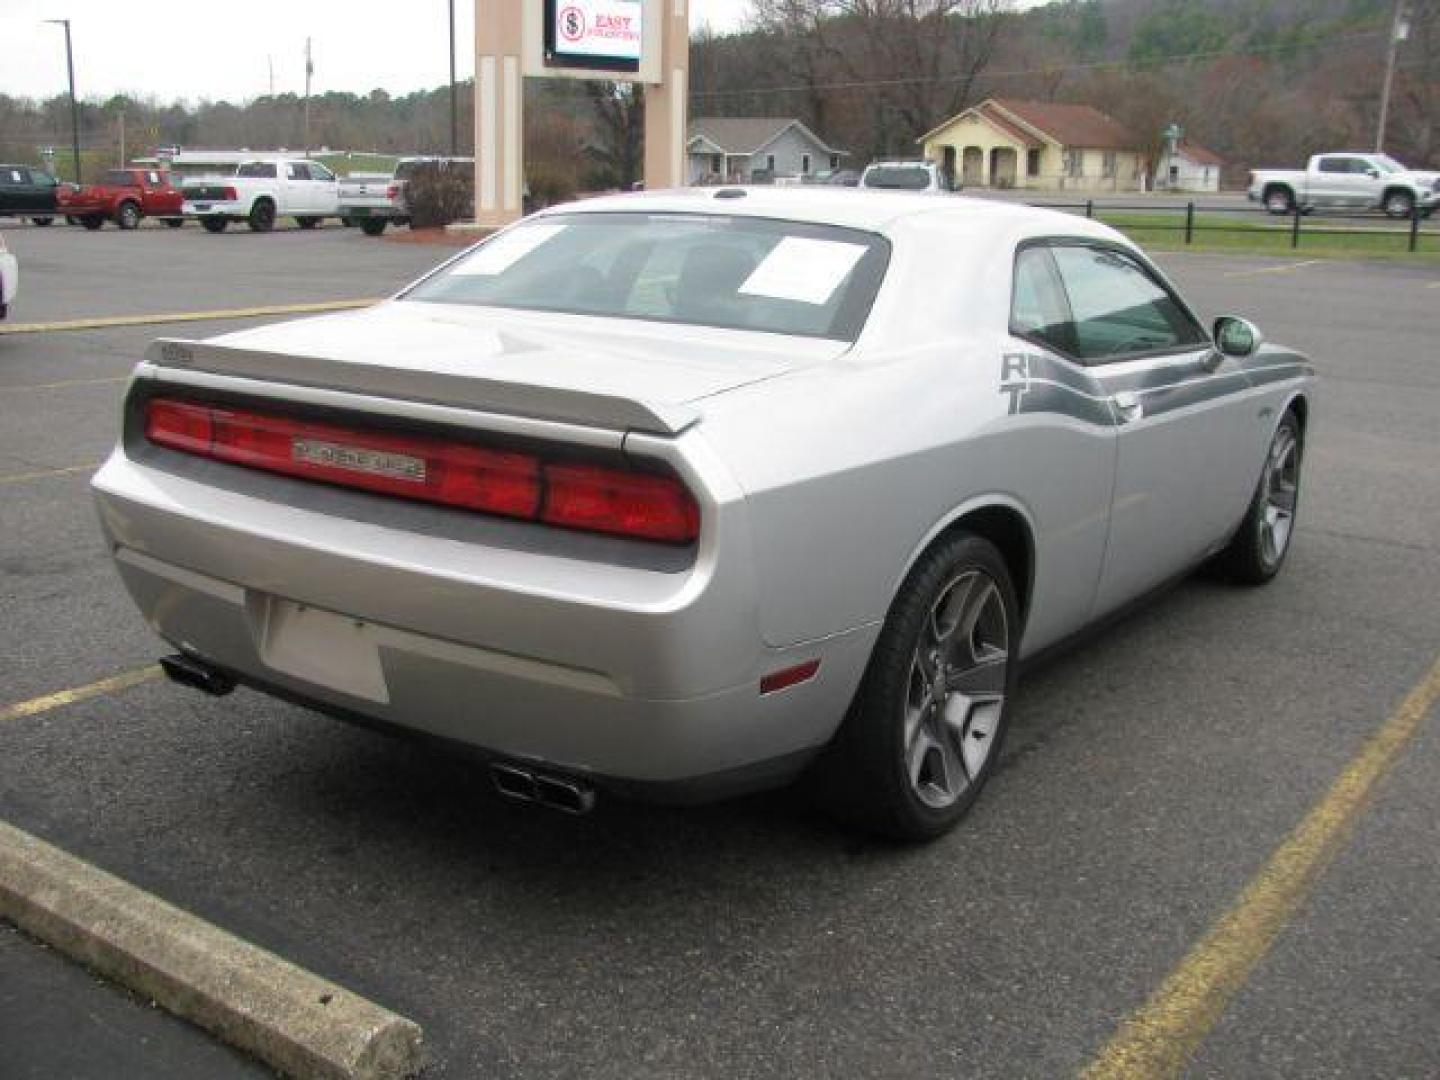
pixel 228 208
pixel 617 673
pixel 361 211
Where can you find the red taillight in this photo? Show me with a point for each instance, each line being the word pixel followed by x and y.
pixel 576 496
pixel 614 501
pixel 230 195
pixel 393 191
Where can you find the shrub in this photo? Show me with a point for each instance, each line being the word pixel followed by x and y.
pixel 437 195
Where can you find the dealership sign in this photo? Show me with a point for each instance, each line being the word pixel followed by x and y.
pixel 601 34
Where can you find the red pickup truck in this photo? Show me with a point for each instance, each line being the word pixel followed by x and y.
pixel 124 196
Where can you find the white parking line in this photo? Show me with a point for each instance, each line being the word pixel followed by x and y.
pixel 1286 268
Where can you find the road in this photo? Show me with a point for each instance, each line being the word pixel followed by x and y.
pixel 1150 773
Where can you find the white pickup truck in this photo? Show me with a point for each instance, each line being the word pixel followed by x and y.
pixel 1356 181
pixel 263 190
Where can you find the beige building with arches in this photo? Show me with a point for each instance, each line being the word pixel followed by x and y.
pixel 1012 143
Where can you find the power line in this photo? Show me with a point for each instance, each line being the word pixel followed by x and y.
pixel 1053 69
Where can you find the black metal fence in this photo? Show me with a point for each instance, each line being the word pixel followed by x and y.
pixel 1192 221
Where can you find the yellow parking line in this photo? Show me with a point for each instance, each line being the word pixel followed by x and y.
pixel 1270 269
pixel 1160 1038
pixel 184 316
pixel 23 478
pixel 79 693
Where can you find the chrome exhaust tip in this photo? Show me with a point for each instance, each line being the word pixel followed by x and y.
pixel 562 793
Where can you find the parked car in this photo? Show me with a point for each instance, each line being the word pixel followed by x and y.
pixel 263 191
pixel 373 202
pixel 682 494
pixel 26 191
pixel 9 278
pixel 124 196
pixel 835 178
pixel 917 176
pixel 1356 181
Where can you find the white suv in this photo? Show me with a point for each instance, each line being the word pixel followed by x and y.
pixel 921 176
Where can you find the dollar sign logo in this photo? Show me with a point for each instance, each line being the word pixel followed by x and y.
pixel 572 23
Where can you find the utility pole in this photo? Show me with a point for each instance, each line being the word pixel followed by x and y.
pixel 270 62
pixel 121 118
pixel 1399 31
pixel 454 112
pixel 309 70
pixel 74 103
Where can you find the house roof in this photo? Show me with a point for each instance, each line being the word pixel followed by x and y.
pixel 748 134
pixel 1082 126
pixel 1033 122
pixel 1198 154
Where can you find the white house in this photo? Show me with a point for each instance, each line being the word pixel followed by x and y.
pixel 730 149
pixel 1188 168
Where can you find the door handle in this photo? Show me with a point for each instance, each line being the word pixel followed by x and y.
pixel 1128 406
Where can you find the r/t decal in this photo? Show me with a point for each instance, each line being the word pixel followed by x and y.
pixel 1015 378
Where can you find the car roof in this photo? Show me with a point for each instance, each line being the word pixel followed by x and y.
pixel 871 210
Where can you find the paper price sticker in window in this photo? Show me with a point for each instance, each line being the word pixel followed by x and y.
pixel 806 271
pixel 507 249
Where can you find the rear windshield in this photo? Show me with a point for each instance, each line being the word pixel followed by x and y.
pixel 781 277
pixel 903 177
pixel 262 170
pixel 118 178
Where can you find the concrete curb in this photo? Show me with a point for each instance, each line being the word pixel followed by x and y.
pixel 292 1020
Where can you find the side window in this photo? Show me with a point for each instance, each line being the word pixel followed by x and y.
pixel 1118 308
pixel 298 170
pixel 1334 164
pixel 1038 309
pixel 320 172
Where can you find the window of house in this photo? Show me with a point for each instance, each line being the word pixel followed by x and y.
pixel 805 164
pixel 1117 308
pixel 1075 163
pixel 1032 163
pixel 834 161
pixel 770 162
pixel 1108 163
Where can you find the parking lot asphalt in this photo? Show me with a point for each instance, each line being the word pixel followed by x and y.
pixel 1150 773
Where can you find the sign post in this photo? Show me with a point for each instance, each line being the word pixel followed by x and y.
pixel 642 41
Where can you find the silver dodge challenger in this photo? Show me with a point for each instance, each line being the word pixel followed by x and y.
pixel 683 494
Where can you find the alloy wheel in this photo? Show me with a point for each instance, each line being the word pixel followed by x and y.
pixel 955 694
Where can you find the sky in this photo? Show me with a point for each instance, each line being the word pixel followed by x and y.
pixel 162 51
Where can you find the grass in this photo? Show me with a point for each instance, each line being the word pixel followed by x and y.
pixel 1242 236
pixel 345 164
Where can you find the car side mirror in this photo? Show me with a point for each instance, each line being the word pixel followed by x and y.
pixel 1236 337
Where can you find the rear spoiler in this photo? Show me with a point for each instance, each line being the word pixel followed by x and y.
pixel 432 387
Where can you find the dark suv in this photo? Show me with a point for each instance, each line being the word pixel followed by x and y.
pixel 27 191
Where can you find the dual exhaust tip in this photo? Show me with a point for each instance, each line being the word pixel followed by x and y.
pixel 563 793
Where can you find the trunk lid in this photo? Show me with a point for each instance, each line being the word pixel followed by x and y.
pixel 618 374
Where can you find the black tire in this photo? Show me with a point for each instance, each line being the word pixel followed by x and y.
pixel 1398 204
pixel 308 222
pixel 214 224
pixel 127 215
pixel 373 226
pixel 71 219
pixel 43 222
pixel 262 216
pixel 174 222
pixel 1279 200
pixel 1253 555
pixel 873 774
pixel 349 222
pixel 93 222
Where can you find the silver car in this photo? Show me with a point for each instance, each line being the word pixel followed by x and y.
pixel 685 494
